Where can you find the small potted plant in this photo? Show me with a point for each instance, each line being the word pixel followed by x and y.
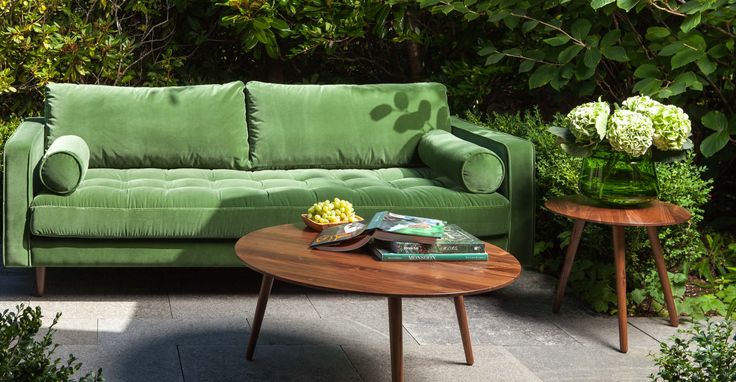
pixel 620 148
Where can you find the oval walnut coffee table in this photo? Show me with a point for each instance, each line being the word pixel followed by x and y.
pixel 282 252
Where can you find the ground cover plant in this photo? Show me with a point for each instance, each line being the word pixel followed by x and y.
pixel 28 355
pixel 707 352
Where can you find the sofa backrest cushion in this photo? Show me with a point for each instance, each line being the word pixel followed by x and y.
pixel 199 126
pixel 341 126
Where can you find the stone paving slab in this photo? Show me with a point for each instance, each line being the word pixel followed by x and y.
pixel 372 311
pixel 327 330
pixel 337 304
pixel 657 328
pixel 173 332
pixel 119 306
pixel 128 363
pixel 602 331
pixel 270 363
pixel 440 363
pixel 11 305
pixel 583 363
pixel 242 306
pixel 490 331
pixel 165 325
pixel 71 331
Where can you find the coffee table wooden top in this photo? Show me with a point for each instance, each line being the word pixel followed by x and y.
pixel 656 213
pixel 283 252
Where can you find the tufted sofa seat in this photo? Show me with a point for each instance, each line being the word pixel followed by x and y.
pixel 225 204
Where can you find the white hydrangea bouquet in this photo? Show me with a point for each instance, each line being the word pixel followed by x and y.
pixel 639 125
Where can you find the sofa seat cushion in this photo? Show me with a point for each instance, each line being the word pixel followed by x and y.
pixel 218 204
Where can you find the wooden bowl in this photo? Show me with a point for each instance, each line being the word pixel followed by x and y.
pixel 320 226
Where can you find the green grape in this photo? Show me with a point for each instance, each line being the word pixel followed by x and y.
pixel 332 211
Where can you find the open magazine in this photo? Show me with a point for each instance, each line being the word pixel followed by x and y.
pixel 384 225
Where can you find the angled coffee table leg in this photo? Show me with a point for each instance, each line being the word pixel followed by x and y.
pixel 266 284
pixel 395 335
pixel 662 271
pixel 462 320
pixel 572 248
pixel 619 254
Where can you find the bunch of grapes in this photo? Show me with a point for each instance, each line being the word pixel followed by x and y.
pixel 335 211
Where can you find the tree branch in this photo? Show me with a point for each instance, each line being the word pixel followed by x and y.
pixel 576 41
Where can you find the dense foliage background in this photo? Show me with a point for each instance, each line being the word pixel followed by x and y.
pixel 510 65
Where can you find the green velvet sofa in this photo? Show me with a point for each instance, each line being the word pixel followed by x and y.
pixel 173 176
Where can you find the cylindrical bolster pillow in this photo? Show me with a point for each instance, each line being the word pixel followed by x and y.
pixel 64 164
pixel 476 168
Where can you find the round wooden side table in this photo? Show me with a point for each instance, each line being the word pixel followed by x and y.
pixel 653 215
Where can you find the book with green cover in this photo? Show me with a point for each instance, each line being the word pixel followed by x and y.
pixel 384 255
pixel 454 240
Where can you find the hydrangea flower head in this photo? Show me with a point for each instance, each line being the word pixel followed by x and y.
pixel 630 132
pixel 671 124
pixel 643 105
pixel 671 128
pixel 587 122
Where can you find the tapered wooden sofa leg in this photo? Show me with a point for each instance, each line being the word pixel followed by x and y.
pixel 40 281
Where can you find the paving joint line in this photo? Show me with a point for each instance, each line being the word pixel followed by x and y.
pixel 643 331
pixel 568 333
pixel 313 307
pixel 181 365
pixel 171 309
pixel 351 362
pixel 411 335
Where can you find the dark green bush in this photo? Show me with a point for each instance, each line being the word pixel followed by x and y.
pixel 707 354
pixel 105 42
pixel 678 51
pixel 26 357
pixel 592 276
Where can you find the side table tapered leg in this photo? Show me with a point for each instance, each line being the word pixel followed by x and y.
pixel 619 254
pixel 462 320
pixel 572 248
pixel 266 284
pixel 396 338
pixel 662 271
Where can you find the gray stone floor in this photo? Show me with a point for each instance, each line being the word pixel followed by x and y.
pixel 192 325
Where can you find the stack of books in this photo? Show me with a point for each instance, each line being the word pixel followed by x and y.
pixel 395 237
pixel 455 245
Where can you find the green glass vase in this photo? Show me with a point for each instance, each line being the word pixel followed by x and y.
pixel 617 179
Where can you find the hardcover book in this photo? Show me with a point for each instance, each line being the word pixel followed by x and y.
pixel 384 226
pixel 453 240
pixel 385 255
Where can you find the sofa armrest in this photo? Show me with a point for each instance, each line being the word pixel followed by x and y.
pixel 518 186
pixel 23 151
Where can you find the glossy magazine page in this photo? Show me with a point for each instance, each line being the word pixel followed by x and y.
pixel 339 233
pixel 406 225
